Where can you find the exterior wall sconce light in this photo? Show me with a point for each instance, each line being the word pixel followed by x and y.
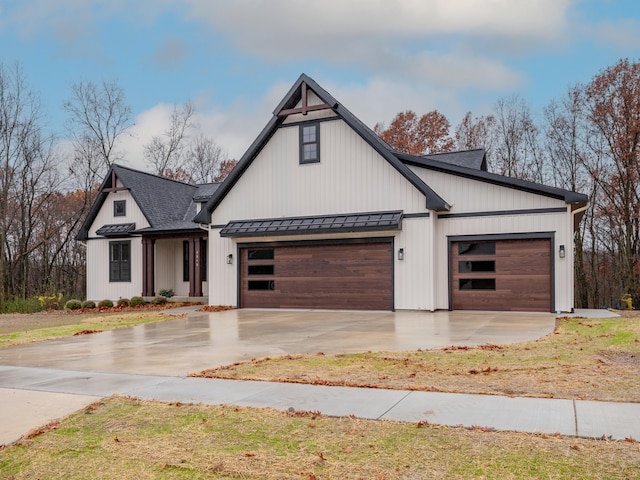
pixel 230 259
pixel 401 254
pixel 561 252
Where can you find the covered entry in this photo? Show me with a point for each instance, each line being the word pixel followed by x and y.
pixel 509 274
pixel 354 275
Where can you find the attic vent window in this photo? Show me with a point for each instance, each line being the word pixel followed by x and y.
pixel 120 208
pixel 310 143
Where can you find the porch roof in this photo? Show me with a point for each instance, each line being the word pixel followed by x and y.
pixel 351 222
pixel 116 230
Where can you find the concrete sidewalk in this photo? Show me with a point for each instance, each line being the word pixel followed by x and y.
pixel 71 390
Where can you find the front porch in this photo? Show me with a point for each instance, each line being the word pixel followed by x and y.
pixel 175 262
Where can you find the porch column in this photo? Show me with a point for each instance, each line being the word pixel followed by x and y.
pixel 195 270
pixel 148 267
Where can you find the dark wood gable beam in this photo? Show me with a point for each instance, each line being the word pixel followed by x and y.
pixel 304 109
pixel 114 183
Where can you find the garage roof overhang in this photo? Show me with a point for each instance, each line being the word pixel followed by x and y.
pixel 351 222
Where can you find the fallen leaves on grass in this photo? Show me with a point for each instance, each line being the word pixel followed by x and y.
pixel 49 427
pixel 216 308
pixel 86 332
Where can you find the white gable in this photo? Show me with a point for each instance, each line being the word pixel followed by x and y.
pixel 467 195
pixel 106 214
pixel 350 177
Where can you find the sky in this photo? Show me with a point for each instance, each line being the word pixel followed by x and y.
pixel 236 59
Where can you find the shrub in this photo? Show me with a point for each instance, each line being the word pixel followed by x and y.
pixel 106 303
pixel 135 301
pixel 73 305
pixel 50 302
pixel 21 305
pixel 123 302
pixel 88 304
pixel 166 292
pixel 159 300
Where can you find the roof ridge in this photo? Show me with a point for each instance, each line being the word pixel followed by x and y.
pixel 160 177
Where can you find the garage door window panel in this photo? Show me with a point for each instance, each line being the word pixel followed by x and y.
pixel 261 269
pixel 466 266
pixel 477 248
pixel 477 284
pixel 264 285
pixel 262 254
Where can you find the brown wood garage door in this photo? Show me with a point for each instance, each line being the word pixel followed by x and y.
pixel 501 275
pixel 354 276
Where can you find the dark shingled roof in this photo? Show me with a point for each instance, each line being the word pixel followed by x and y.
pixel 475 159
pixel 168 205
pixel 351 222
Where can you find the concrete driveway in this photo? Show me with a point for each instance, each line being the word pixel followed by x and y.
pixel 204 340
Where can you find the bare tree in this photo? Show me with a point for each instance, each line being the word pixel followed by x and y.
pixel 473 133
pixel 613 110
pixel 99 115
pixel 203 158
pixel 515 151
pixel 164 152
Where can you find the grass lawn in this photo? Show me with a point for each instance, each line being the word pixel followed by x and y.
pixel 27 328
pixel 596 359
pixel 127 439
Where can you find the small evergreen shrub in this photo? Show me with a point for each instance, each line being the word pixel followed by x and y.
pixel 159 301
pixel 88 304
pixel 73 305
pixel 135 301
pixel 123 302
pixel 166 292
pixel 106 303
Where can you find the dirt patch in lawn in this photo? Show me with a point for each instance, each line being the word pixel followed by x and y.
pixel 594 359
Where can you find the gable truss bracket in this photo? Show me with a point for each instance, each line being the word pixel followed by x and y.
pixel 304 109
pixel 114 184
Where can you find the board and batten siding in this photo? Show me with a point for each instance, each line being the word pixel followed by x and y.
pixel 98 285
pixel 105 215
pixel 350 177
pixel 560 224
pixel 466 195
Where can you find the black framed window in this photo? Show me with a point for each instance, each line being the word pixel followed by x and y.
pixel 261 270
pixel 310 143
pixel 468 266
pixel 119 208
pixel 477 284
pixel 477 248
pixel 120 261
pixel 262 285
pixel 262 254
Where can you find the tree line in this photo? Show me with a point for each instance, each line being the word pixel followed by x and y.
pixel 588 140
pixel 49 180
